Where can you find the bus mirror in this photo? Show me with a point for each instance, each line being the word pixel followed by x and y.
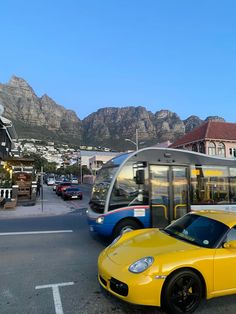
pixel 139 179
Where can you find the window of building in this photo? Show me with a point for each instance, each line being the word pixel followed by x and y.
pixel 221 149
pixel 194 148
pixel 232 152
pixel 211 149
pixel 202 148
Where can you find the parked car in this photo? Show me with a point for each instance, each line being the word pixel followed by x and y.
pixel 50 181
pixel 61 186
pixel 55 185
pixel 175 267
pixel 74 181
pixel 72 192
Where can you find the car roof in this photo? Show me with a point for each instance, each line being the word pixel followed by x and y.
pixel 226 217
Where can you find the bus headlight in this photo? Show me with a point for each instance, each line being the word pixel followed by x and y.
pixel 100 220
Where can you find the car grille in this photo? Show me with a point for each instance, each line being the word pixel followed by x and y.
pixel 119 287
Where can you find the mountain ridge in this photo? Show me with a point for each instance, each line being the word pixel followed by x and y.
pixel 42 118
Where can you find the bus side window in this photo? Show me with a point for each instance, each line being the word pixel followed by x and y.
pixel 210 185
pixel 232 194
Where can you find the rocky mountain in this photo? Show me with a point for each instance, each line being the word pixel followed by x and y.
pixel 111 126
pixel 43 118
pixel 37 116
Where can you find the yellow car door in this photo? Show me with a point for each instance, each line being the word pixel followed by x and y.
pixel 225 266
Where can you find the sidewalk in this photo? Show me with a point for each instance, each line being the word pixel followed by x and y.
pixel 48 209
pixel 50 206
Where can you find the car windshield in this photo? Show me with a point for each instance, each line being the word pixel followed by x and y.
pixel 198 230
pixel 72 189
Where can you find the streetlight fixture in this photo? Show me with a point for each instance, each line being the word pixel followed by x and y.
pixel 136 142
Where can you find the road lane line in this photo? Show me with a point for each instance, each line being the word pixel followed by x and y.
pixel 56 294
pixel 35 232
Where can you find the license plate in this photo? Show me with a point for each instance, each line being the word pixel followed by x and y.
pixel 74 196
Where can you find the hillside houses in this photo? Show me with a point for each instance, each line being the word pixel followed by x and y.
pixel 63 155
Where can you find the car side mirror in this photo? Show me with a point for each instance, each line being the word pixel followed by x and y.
pixel 230 244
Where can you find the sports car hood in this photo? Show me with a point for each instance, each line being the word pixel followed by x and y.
pixel 141 243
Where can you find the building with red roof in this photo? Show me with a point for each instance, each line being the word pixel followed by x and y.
pixel 215 138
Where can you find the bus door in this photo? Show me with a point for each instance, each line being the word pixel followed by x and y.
pixel 168 193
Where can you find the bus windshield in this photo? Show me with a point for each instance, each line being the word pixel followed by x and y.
pixel 103 181
pixel 126 191
pixel 101 186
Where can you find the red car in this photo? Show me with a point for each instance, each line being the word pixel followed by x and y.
pixel 60 187
pixel 72 192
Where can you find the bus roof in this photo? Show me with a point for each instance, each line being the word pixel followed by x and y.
pixel 170 156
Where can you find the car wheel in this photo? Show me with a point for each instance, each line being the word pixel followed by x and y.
pixel 81 197
pixel 125 225
pixel 182 292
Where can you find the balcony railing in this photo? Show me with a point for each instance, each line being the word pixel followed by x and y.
pixel 6 192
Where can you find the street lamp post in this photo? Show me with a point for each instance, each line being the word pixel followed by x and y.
pixel 81 172
pixel 79 164
pixel 136 138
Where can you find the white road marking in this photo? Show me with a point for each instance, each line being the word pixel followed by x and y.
pixel 35 232
pixel 56 294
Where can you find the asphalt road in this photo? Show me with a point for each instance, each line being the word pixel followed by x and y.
pixel 53 272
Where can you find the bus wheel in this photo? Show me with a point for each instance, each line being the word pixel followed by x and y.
pixel 125 225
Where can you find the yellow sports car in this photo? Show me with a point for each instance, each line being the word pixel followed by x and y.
pixel 175 267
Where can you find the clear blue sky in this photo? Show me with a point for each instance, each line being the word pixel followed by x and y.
pixel 178 55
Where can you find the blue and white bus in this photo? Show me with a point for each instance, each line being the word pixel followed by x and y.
pixel 153 186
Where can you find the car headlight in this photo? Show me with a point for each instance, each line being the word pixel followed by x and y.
pixel 141 265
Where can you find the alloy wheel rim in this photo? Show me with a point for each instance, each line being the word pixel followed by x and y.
pixel 185 293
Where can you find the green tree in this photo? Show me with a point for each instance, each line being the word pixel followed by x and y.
pixel 73 170
pixel 50 167
pixel 38 160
